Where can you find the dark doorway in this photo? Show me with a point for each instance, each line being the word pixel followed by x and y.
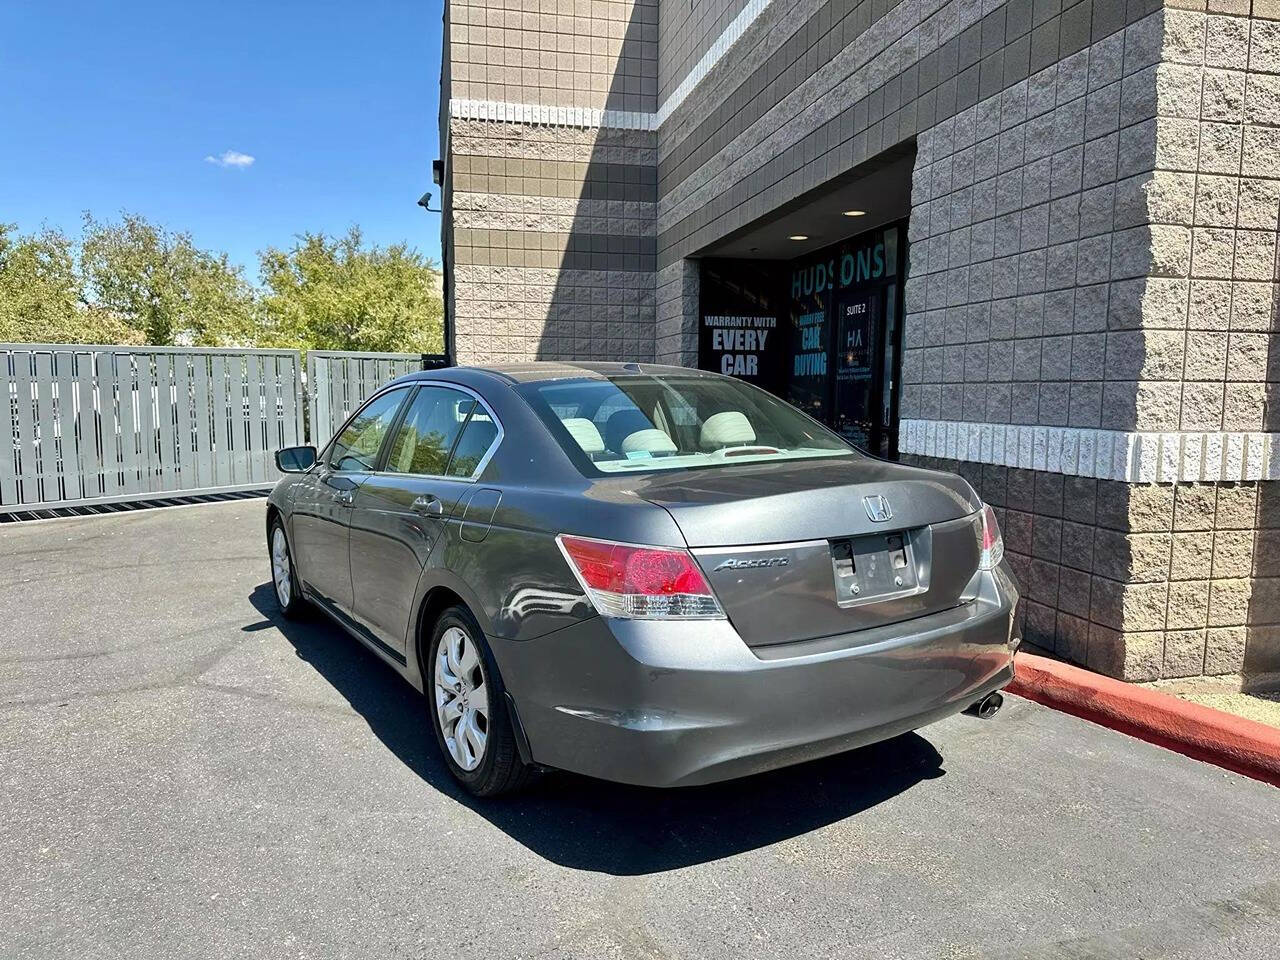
pixel 822 331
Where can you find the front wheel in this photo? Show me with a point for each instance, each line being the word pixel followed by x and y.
pixel 469 710
pixel 284 576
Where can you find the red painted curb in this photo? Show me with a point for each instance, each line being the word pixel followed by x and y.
pixel 1243 746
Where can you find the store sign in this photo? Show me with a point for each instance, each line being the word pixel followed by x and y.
pixel 810 360
pixel 736 345
pixel 851 268
pixel 858 323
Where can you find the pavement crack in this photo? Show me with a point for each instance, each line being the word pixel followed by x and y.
pixel 248 694
pixel 214 628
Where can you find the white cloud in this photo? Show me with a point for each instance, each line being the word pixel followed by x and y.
pixel 231 158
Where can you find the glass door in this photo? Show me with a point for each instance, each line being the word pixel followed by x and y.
pixel 858 365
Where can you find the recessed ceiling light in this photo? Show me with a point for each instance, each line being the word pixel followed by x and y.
pixel 855 213
pixel 799 236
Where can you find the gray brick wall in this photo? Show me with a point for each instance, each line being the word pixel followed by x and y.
pixel 815 88
pixel 676 330
pixel 686 31
pixel 1143 582
pixel 598 54
pixel 1033 248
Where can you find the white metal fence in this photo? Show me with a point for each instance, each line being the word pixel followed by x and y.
pixel 100 424
pixel 338 382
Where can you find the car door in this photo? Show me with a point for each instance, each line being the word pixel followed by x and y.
pixel 323 503
pixel 441 443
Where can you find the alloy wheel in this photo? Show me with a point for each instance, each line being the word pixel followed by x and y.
pixel 281 571
pixel 462 698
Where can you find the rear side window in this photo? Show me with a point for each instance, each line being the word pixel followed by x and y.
pixel 429 431
pixel 477 438
pixel 356 448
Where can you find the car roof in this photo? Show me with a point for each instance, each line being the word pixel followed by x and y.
pixel 545 370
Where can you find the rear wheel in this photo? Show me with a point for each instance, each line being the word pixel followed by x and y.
pixel 284 576
pixel 469 709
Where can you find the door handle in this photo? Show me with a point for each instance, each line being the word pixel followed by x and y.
pixel 427 505
pixel 344 498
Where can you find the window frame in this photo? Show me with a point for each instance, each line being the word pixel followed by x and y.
pixel 322 461
pixel 481 464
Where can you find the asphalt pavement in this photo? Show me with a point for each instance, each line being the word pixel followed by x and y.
pixel 184 774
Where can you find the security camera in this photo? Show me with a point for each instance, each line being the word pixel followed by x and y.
pixel 425 201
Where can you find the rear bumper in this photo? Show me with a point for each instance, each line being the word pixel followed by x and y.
pixel 674 704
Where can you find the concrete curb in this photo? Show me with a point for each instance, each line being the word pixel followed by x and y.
pixel 1243 746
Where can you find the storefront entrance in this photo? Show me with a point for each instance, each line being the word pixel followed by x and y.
pixel 822 331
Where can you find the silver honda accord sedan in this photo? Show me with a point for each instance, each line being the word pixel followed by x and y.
pixel 647 574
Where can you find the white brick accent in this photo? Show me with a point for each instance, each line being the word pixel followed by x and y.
pixel 1179 457
pixel 549 116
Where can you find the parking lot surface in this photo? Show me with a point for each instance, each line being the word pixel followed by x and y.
pixel 184 774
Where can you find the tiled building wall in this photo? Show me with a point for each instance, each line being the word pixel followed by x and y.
pixel 1145 300
pixel 686 31
pixel 596 54
pixel 553 242
pixel 1102 252
pixel 1143 581
pixel 552 239
pixel 1028 211
pixel 675 337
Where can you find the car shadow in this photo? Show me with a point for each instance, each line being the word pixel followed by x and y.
pixel 612 828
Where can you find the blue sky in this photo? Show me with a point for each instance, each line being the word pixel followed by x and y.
pixel 114 106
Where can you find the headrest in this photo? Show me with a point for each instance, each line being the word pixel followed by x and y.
pixel 621 424
pixel 584 434
pixel 726 429
pixel 651 441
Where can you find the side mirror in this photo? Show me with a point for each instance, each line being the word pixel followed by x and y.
pixel 295 459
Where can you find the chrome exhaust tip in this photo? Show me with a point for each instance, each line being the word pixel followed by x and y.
pixel 987 707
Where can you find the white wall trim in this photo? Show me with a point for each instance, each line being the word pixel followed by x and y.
pixel 549 116
pixel 1131 456
pixel 533 113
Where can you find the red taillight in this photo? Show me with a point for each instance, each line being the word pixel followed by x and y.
pixel 992 543
pixel 624 580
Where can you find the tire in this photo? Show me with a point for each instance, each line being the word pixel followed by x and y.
pixel 284 573
pixel 459 666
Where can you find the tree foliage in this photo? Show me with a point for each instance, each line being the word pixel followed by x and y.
pixel 167 287
pixel 42 294
pixel 132 282
pixel 334 293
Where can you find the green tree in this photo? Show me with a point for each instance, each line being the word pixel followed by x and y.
pixel 165 285
pixel 334 293
pixel 42 294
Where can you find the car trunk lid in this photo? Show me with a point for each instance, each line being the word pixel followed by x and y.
pixel 811 549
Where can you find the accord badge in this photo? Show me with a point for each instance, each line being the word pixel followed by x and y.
pixel 733 563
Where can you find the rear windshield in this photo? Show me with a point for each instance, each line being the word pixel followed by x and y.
pixel 637 423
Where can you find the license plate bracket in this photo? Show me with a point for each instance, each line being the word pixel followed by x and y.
pixel 874 567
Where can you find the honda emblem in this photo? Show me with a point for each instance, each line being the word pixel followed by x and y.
pixel 878 509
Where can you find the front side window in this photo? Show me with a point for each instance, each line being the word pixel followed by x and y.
pixel 429 431
pixel 356 448
pixel 640 423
